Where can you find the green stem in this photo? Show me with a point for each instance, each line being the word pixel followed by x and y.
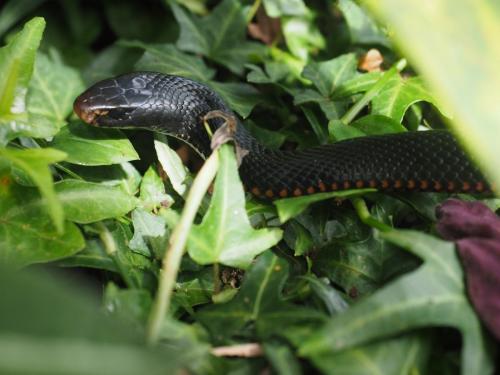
pixel 217 283
pixel 177 243
pixel 365 216
pixel 111 249
pixel 370 94
pixel 253 11
pixel 67 171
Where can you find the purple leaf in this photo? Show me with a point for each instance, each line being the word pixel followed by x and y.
pixel 476 232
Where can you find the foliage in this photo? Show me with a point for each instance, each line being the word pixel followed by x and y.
pixel 310 279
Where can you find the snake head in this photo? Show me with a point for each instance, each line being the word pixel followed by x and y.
pixel 159 102
pixel 120 102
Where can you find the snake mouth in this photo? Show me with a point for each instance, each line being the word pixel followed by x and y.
pixel 86 112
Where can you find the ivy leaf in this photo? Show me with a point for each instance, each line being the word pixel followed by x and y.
pixel 326 76
pixel 467 83
pixel 87 202
pixel 278 8
pixel 27 234
pixel 291 207
pixel 258 302
pixel 148 229
pixel 50 322
pixel 153 191
pixel 225 234
pixel 92 256
pixel 362 29
pixel 172 165
pixel 52 90
pixel 400 355
pixel 399 94
pixel 16 67
pixel 439 300
pixel 302 35
pixel 360 83
pixel 168 59
pixel 35 163
pixel 219 36
pixel 86 145
pixel 378 124
pixel 240 96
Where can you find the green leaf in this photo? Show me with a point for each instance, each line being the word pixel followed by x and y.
pixel 282 358
pixel 298 238
pixel 225 234
pixel 278 8
pixel 302 35
pixel 35 163
pixel 148 228
pixel 439 300
pixel 16 67
pixel 27 234
pixel 339 131
pixel 259 305
pixel 52 90
pixel 193 36
pixel 401 355
pixel 331 297
pixel 172 164
pixel 328 75
pixel 291 207
pixel 153 191
pixel 92 256
pixel 220 35
pixel 61 327
pixel 86 145
pixel 399 94
pixel 240 96
pixel 168 59
pixel 467 84
pixel 378 124
pixel 362 29
pixel 360 83
pixel 87 202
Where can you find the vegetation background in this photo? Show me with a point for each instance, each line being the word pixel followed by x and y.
pixel 357 285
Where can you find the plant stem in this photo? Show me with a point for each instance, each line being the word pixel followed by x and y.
pixel 365 216
pixel 69 172
pixel 370 94
pixel 111 250
pixel 217 283
pixel 177 243
pixel 253 10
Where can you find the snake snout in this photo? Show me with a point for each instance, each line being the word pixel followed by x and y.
pixel 84 109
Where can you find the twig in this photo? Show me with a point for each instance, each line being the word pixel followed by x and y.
pixel 249 350
pixel 112 251
pixel 370 94
pixel 365 216
pixel 177 243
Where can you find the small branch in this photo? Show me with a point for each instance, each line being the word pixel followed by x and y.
pixel 177 243
pixel 253 11
pixel 217 283
pixel 365 216
pixel 112 251
pixel 249 350
pixel 370 94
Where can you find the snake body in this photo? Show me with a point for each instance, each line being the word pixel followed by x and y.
pixel 410 161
